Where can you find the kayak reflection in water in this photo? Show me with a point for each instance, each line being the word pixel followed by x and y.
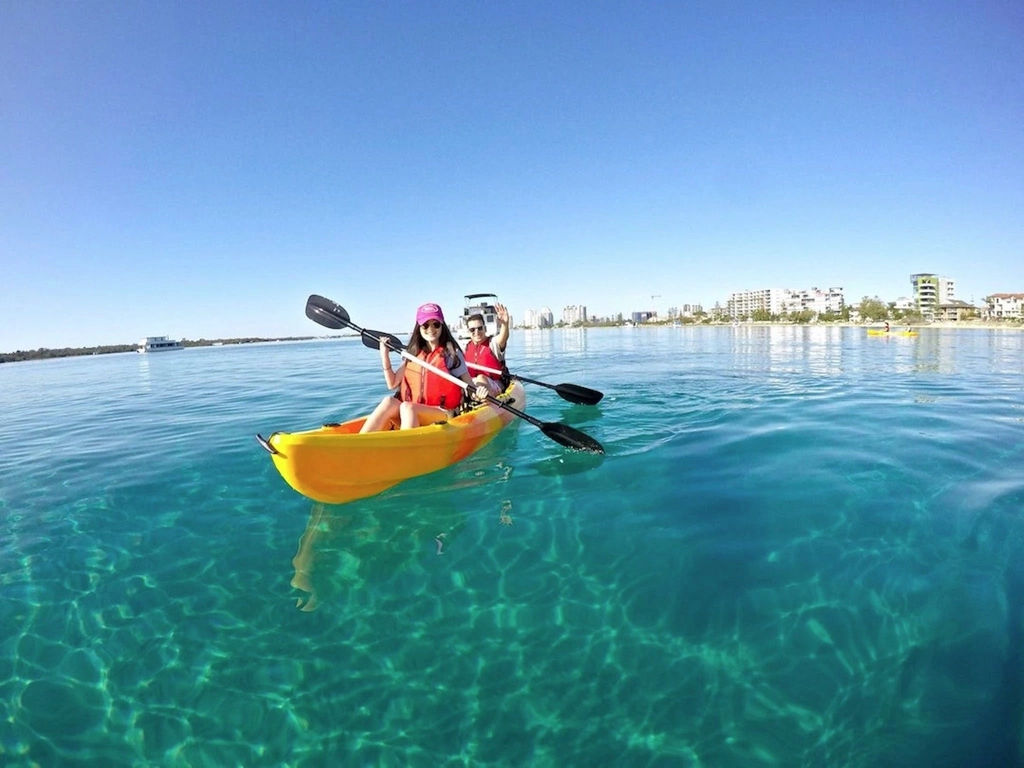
pixel 344 547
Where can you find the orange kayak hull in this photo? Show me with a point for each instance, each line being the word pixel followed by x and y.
pixel 335 464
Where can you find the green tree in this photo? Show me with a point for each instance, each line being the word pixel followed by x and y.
pixel 873 309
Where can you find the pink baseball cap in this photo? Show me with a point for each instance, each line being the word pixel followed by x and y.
pixel 429 312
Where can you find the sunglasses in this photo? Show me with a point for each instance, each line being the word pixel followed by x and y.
pixel 430 324
pixel 475 328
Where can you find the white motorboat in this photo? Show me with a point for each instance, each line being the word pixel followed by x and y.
pixel 158 344
pixel 478 304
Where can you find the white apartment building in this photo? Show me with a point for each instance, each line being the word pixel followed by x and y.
pixel 574 314
pixel 779 300
pixel 1005 305
pixel 815 300
pixel 538 318
pixel 747 302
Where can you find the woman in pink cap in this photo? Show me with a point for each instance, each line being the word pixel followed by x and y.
pixel 423 397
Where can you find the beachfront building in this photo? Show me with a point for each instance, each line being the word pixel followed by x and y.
pixel 778 301
pixel 955 310
pixel 530 318
pixel 815 300
pixel 744 303
pixel 904 304
pixel 574 314
pixel 644 317
pixel 1002 305
pixel 930 291
pixel 689 310
pixel 545 318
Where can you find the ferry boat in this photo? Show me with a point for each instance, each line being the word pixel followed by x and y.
pixel 158 344
pixel 478 304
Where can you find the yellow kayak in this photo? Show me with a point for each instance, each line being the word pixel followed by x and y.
pixel 335 464
pixel 883 332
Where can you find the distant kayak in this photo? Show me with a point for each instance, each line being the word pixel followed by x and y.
pixel 335 464
pixel 883 332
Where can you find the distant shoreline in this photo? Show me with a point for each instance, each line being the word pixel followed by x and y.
pixel 46 353
pixel 895 326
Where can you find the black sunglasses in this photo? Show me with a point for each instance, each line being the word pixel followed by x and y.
pixel 430 324
pixel 475 328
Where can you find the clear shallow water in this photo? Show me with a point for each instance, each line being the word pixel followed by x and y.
pixel 803 548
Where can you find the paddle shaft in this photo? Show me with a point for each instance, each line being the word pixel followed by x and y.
pixel 574 393
pixel 485 369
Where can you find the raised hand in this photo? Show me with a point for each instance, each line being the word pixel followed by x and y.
pixel 502 314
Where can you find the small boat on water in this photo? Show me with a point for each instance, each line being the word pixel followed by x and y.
pixel 478 304
pixel 158 344
pixel 334 464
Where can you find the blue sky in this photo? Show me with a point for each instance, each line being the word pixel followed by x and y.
pixel 197 169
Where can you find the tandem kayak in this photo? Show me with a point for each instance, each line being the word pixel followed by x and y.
pixel 335 464
pixel 883 332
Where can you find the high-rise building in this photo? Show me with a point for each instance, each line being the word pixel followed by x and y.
pixel 743 303
pixel 930 291
pixel 574 314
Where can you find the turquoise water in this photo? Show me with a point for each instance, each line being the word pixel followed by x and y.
pixel 804 548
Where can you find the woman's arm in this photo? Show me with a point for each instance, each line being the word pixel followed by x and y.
pixel 391 378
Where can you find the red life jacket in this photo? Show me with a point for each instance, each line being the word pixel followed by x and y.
pixel 482 354
pixel 422 386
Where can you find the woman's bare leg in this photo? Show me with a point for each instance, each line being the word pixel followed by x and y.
pixel 382 414
pixel 415 415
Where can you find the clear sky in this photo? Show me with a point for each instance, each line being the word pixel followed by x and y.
pixel 198 168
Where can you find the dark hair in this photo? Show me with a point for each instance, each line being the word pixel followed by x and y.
pixel 479 317
pixel 418 344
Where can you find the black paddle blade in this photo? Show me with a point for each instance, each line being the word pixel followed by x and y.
pixel 574 393
pixel 327 313
pixel 571 438
pixel 371 339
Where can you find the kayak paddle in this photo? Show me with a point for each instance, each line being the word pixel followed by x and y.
pixel 330 315
pixel 573 393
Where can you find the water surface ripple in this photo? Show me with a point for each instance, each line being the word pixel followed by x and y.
pixel 804 548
